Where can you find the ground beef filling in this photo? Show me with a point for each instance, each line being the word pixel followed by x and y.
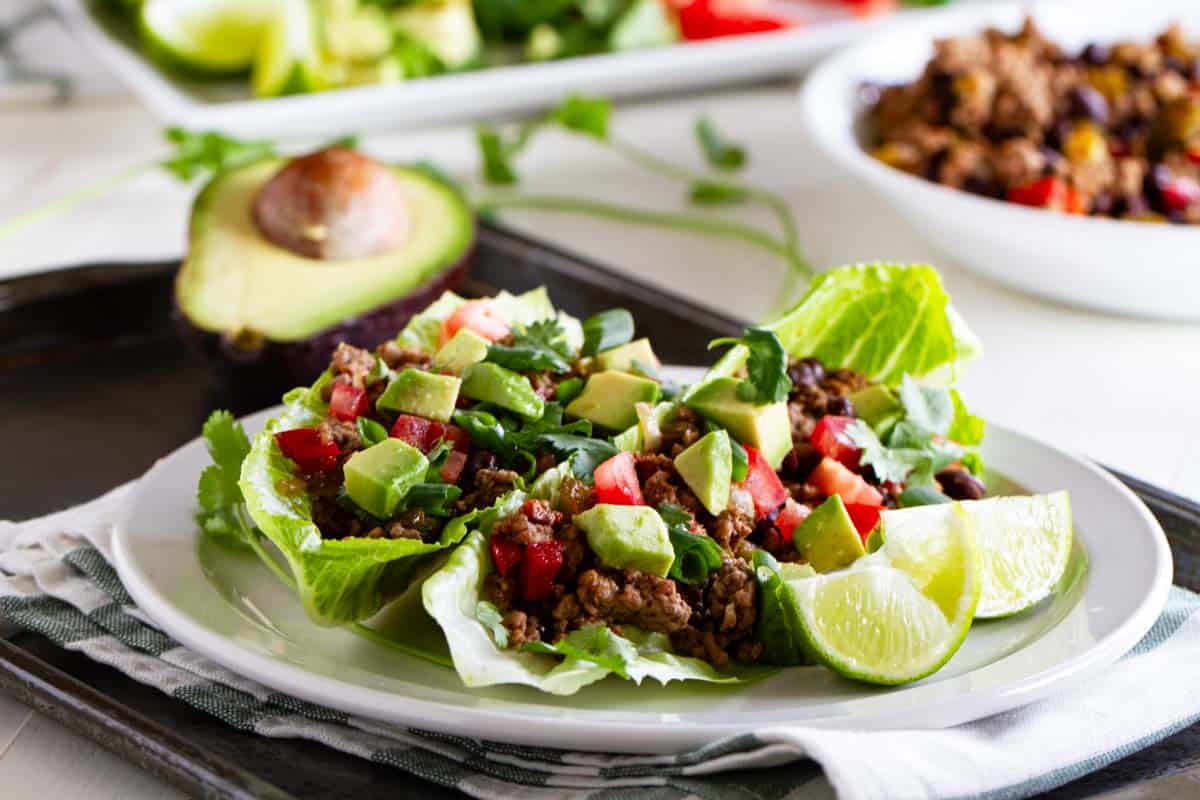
pixel 997 114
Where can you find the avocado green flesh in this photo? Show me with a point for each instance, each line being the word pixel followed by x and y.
pixel 707 468
pixel 422 393
pixel 491 383
pixel 378 478
pixel 235 281
pixel 608 399
pixel 827 539
pixel 628 537
pixel 627 357
pixel 768 428
pixel 465 348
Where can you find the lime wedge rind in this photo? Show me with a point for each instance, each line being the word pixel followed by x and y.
pixel 204 37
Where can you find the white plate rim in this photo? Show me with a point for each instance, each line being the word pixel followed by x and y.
pixel 577 732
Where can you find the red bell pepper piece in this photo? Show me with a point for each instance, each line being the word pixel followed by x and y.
pixel 1048 192
pixel 1179 193
pixel 865 517
pixel 830 439
pixel 505 554
pixel 617 482
pixel 349 402
pixel 705 19
pixel 457 437
pixel 306 447
pixel 453 466
pixel 411 430
pixel 763 483
pixel 790 517
pixel 831 477
pixel 539 564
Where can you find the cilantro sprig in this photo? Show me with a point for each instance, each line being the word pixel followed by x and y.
pixel 537 346
pixel 696 556
pixel 218 494
pixel 767 378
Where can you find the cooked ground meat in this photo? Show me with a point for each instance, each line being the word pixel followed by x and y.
pixel 353 362
pixel 727 625
pixel 681 431
pixel 731 527
pixel 522 628
pixel 1110 131
pixel 544 384
pixel 397 357
pixel 633 597
pixel 489 486
pixel 815 393
pixel 661 483
pixel 533 522
pixel 343 434
pixel 575 496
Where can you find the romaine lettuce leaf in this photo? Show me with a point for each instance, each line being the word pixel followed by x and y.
pixel 883 320
pixel 452 596
pixel 422 329
pixel 338 580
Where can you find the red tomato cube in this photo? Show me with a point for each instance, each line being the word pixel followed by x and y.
pixel 830 439
pixel 617 482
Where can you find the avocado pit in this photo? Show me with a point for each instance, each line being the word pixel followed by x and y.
pixel 333 204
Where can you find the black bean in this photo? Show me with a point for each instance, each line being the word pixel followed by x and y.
pixel 840 407
pixel 1089 103
pixel 958 484
pixel 1158 176
pixel 1095 54
pixel 807 372
pixel 801 460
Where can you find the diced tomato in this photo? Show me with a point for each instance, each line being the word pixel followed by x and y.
pixel 867 8
pixel 413 430
pixel 539 564
pixel 505 554
pixel 1179 193
pixel 790 518
pixel 865 517
pixel 1192 153
pixel 763 484
pixel 831 477
pixel 306 447
pixel 457 437
pixel 1073 204
pixel 453 466
pixel 479 316
pixel 712 19
pixel 348 402
pixel 830 439
pixel 617 482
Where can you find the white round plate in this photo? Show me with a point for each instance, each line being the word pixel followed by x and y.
pixel 1112 265
pixel 222 603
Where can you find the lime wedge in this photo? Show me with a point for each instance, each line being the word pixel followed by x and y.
pixel 898 614
pixel 1025 544
pixel 287 60
pixel 205 36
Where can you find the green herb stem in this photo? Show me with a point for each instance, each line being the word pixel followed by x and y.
pixel 708 226
pixel 73 199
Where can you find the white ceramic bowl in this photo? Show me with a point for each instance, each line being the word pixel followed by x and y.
pixel 1119 266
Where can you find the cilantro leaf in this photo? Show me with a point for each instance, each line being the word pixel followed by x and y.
pixel 498 152
pixel 606 330
pixel 966 429
pixel 767 378
pixel 713 193
pixel 586 115
pixel 596 644
pixel 588 453
pixel 720 152
pixel 537 346
pixel 210 153
pixel 489 616
pixel 435 498
pixel 929 408
pixel 696 556
pixel 911 455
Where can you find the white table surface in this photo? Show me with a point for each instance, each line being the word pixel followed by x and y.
pixel 1122 391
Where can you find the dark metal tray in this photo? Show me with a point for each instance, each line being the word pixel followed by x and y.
pixel 95 384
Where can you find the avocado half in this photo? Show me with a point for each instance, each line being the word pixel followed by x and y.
pixel 276 316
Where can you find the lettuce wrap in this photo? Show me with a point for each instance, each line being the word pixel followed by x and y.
pixel 422 331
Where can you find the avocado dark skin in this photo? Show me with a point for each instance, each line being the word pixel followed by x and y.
pixel 334 205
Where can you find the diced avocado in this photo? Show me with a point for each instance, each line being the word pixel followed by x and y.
pixel 378 478
pixel 877 406
pixel 875 540
pixel 626 357
pixel 425 394
pixel 707 468
pixel 628 537
pixel 827 539
pixel 464 349
pixel 491 383
pixel 767 428
pixel 608 398
pixel 356 34
pixel 647 23
pixel 447 27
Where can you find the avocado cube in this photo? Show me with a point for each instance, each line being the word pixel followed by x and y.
pixel 422 393
pixel 628 537
pixel 707 468
pixel 464 349
pixel 608 399
pixel 378 478
pixel 626 357
pixel 767 428
pixel 491 383
pixel 827 539
pixel 877 406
